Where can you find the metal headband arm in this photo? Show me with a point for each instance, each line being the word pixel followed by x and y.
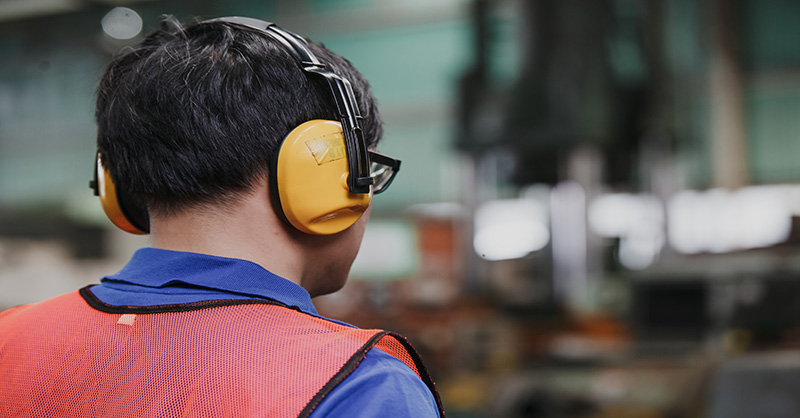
pixel 359 178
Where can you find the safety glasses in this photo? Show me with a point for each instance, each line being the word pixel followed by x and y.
pixel 383 169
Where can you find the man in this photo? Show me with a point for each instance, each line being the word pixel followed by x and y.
pixel 249 156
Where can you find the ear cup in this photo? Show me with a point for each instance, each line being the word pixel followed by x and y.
pixel 309 180
pixel 117 206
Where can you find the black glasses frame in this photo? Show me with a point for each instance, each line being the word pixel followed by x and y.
pixel 392 163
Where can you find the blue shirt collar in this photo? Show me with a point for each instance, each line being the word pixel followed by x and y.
pixel 165 269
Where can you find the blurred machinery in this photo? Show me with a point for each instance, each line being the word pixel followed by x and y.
pixel 653 99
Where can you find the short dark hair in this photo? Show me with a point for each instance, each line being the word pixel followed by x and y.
pixel 192 115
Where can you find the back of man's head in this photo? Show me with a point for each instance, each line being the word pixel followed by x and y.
pixel 192 115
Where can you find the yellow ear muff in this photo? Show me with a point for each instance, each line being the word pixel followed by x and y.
pixel 110 202
pixel 310 175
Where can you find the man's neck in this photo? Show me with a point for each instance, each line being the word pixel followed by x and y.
pixel 246 229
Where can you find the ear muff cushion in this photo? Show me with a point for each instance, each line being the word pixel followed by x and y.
pixel 309 178
pixel 121 211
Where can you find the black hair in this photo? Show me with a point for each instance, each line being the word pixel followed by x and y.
pixel 192 115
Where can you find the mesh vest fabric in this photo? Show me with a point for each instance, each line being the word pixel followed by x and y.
pixel 72 356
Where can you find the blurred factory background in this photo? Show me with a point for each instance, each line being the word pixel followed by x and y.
pixel 597 214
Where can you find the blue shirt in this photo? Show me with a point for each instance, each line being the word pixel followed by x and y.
pixel 381 386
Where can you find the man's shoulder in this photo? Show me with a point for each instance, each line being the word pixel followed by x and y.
pixel 379 363
pixel 381 386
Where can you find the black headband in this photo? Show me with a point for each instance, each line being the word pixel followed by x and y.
pixel 359 179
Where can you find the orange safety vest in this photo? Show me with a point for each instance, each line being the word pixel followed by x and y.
pixel 73 356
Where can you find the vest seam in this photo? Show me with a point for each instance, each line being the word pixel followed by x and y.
pixel 347 369
pixel 422 371
pixel 356 359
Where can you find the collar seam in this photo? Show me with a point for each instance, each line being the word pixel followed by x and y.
pixel 101 306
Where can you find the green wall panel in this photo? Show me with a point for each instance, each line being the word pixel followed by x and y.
pixel 771 33
pixel 410 63
pixel 773 132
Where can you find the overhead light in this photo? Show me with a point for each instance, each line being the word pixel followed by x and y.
pixel 619 214
pixel 637 220
pixel 509 229
pixel 122 23
pixel 719 220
